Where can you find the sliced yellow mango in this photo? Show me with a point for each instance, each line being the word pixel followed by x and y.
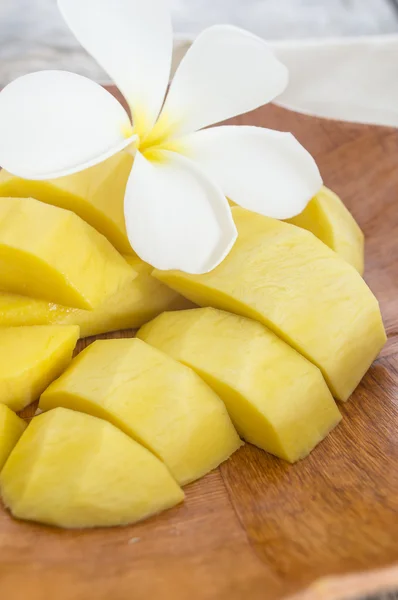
pixel 30 359
pixel 96 195
pixel 284 277
pixel 11 429
pixel 327 217
pixel 73 470
pixel 137 302
pixel 276 398
pixel 159 402
pixel 51 253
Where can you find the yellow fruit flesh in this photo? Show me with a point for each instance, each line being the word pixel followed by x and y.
pixel 331 222
pixel 156 400
pixel 11 429
pixel 50 253
pixel 96 195
pixel 276 398
pixel 137 302
pixel 30 359
pixel 284 277
pixel 73 470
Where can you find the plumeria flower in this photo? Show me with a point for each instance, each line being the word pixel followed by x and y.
pixel 55 123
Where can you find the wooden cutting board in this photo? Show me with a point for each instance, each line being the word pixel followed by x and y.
pixel 258 528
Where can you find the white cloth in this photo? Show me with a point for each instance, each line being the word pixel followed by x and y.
pixel 351 79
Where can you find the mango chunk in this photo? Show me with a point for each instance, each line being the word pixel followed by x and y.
pixel 276 398
pixel 137 302
pixel 154 399
pixel 284 277
pixel 96 195
pixel 327 217
pixel 11 429
pixel 50 253
pixel 73 470
pixel 31 358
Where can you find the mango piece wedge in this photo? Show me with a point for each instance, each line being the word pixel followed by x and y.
pixel 11 429
pixel 327 217
pixel 51 253
pixel 73 470
pixel 31 358
pixel 276 398
pixel 284 277
pixel 157 401
pixel 137 302
pixel 96 195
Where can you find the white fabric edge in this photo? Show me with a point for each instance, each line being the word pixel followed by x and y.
pixel 370 98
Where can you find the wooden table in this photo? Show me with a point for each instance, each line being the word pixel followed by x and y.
pixel 258 528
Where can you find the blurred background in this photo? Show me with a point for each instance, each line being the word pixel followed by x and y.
pixel 33 36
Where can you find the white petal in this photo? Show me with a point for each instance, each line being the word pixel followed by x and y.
pixel 175 217
pixel 263 170
pixel 226 72
pixel 54 123
pixel 132 41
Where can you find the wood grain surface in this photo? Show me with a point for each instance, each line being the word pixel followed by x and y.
pixel 258 528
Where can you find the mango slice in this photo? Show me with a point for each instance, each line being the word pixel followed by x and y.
pixel 96 195
pixel 284 277
pixel 73 470
pixel 137 302
pixel 276 398
pixel 50 253
pixel 327 217
pixel 11 429
pixel 31 358
pixel 159 402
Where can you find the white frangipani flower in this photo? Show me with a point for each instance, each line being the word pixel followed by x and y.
pixel 55 123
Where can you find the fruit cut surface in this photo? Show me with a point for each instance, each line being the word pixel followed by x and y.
pixel 11 429
pixel 30 359
pixel 96 195
pixel 284 277
pixel 74 470
pixel 153 398
pixel 51 253
pixel 276 398
pixel 141 299
pixel 327 217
